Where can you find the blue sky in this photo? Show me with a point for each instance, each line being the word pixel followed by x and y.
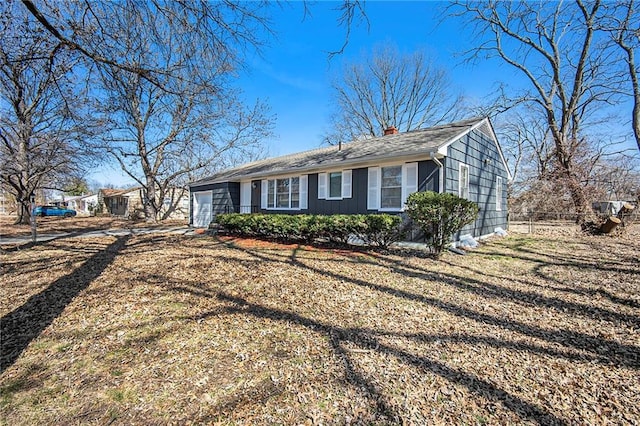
pixel 294 73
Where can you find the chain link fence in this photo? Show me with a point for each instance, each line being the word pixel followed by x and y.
pixel 551 221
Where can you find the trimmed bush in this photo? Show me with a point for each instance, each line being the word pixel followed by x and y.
pixel 440 216
pixel 378 229
pixel 381 230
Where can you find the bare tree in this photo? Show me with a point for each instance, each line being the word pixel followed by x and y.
pixel 164 75
pixel 390 89
pixel 164 136
pixel 39 110
pixel 214 33
pixel 556 48
pixel 162 140
pixel 624 26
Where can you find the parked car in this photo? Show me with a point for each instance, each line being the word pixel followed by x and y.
pixel 53 211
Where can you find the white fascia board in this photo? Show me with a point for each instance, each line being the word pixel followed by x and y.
pixel 442 150
pixel 504 161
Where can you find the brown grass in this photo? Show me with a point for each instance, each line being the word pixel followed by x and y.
pixel 56 225
pixel 176 330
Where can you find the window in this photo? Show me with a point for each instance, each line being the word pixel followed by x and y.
pixel 295 192
pixel 463 181
pixel 391 187
pixel 335 185
pixel 498 193
pixel 283 193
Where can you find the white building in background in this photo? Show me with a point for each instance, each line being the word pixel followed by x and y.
pixel 85 205
pixel 7 206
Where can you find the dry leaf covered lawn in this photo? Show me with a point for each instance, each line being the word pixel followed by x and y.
pixel 77 224
pixel 164 329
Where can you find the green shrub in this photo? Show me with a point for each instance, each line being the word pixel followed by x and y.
pixel 379 229
pixel 338 228
pixel 440 216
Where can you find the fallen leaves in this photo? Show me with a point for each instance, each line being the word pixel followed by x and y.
pixel 178 330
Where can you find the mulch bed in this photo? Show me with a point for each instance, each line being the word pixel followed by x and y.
pixel 528 329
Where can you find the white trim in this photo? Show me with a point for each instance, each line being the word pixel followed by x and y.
pixel 347 181
pixel 304 192
pixel 498 193
pixel 460 167
pixel 322 186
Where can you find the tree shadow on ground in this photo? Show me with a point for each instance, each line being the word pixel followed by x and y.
pixel 565 343
pixel 626 266
pixel 561 285
pixel 368 341
pixel 605 351
pixel 25 323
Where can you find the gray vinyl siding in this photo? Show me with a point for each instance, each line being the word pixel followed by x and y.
pixel 479 152
pixel 225 197
pixel 428 179
pixel 354 205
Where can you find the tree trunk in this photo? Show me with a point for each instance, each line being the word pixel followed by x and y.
pixel 611 224
pixel 624 212
pixel 149 201
pixel 578 197
pixel 23 212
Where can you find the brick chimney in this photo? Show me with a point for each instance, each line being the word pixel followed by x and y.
pixel 391 131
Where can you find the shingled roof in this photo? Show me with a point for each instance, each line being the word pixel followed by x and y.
pixel 423 143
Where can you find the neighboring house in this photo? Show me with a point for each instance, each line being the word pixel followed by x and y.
pixel 121 202
pixel 128 203
pixel 7 202
pixel 84 205
pixel 181 210
pixel 368 176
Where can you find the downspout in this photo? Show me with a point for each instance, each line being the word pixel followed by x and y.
pixel 440 172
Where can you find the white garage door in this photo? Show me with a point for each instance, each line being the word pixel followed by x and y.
pixel 202 209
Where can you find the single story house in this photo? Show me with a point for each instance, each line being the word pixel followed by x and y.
pixel 368 176
pixel 120 202
pixel 128 202
pixel 85 205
